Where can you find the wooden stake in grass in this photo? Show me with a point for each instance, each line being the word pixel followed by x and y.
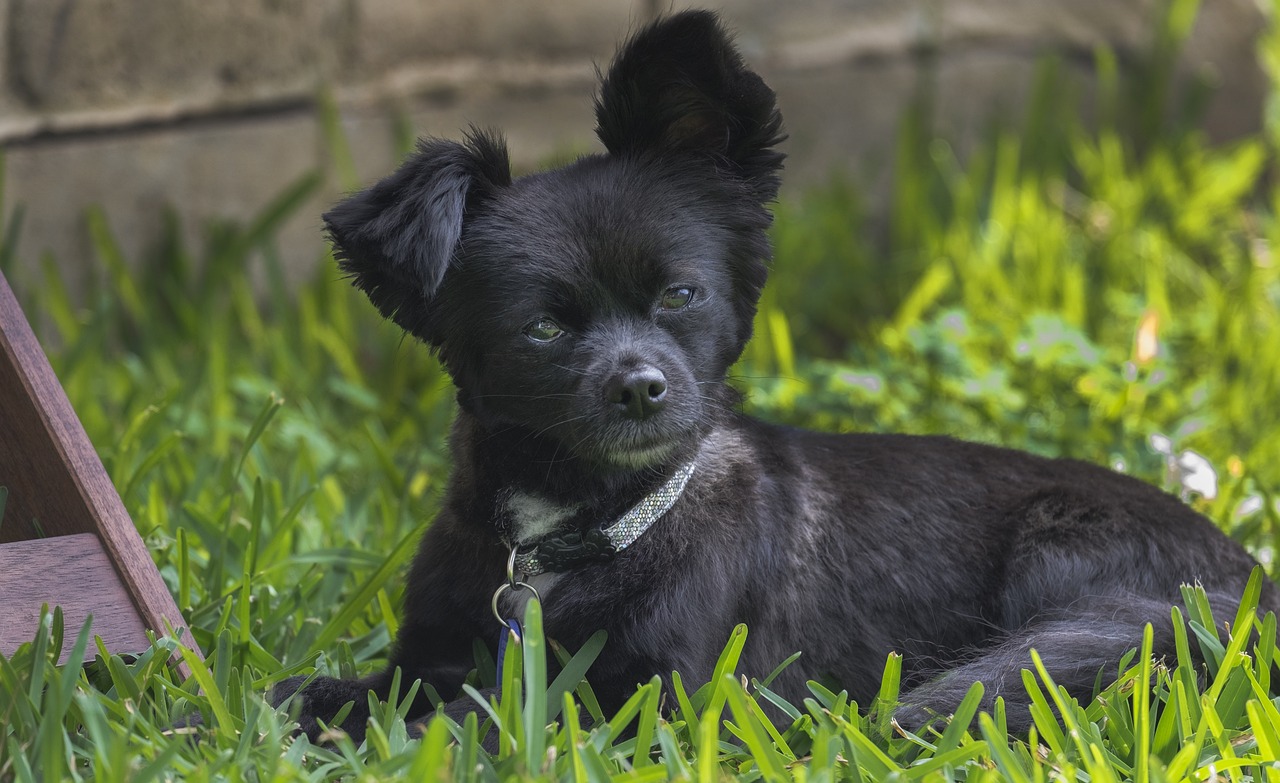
pixel 65 537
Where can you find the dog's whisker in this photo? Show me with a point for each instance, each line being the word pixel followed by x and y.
pixel 550 396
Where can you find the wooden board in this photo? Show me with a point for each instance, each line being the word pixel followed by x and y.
pixel 58 488
pixel 83 582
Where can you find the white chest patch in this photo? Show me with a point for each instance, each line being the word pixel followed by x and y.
pixel 534 518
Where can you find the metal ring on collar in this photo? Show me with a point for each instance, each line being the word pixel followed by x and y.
pixel 512 586
pixel 511 569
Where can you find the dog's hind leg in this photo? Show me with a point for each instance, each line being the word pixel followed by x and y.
pixel 1081 647
pixel 1075 652
pixel 1083 576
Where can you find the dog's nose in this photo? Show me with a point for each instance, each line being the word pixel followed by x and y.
pixel 637 393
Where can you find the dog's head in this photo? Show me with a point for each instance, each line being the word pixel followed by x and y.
pixel 597 305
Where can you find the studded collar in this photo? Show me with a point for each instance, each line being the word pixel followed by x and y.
pixel 569 549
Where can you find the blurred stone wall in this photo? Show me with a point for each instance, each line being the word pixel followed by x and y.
pixel 209 105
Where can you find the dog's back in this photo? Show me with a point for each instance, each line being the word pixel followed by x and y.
pixel 963 557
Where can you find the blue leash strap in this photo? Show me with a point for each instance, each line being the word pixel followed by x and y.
pixel 510 626
pixel 510 634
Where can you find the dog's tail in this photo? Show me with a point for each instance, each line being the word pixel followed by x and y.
pixel 1081 650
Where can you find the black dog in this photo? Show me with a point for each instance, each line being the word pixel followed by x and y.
pixel 588 316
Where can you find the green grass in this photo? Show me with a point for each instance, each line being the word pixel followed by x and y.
pixel 281 451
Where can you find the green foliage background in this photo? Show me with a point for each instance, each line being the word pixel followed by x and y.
pixel 1066 290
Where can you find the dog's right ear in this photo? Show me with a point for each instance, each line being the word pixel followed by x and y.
pixel 397 238
pixel 679 84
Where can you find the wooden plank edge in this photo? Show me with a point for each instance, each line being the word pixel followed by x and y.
pixel 120 537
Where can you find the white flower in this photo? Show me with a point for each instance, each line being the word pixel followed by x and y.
pixel 1195 474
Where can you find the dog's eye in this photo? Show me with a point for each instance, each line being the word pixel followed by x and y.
pixel 544 330
pixel 676 298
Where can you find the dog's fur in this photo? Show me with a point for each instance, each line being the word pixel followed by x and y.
pixel 962 557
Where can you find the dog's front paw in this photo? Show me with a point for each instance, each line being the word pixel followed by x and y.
pixel 321 701
pixel 458 710
pixel 188 725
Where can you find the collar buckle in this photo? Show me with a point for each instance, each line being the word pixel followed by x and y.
pixel 572 548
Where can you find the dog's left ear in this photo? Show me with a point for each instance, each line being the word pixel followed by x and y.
pixel 679 84
pixel 397 238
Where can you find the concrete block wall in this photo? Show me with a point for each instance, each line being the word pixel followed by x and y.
pixel 208 105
